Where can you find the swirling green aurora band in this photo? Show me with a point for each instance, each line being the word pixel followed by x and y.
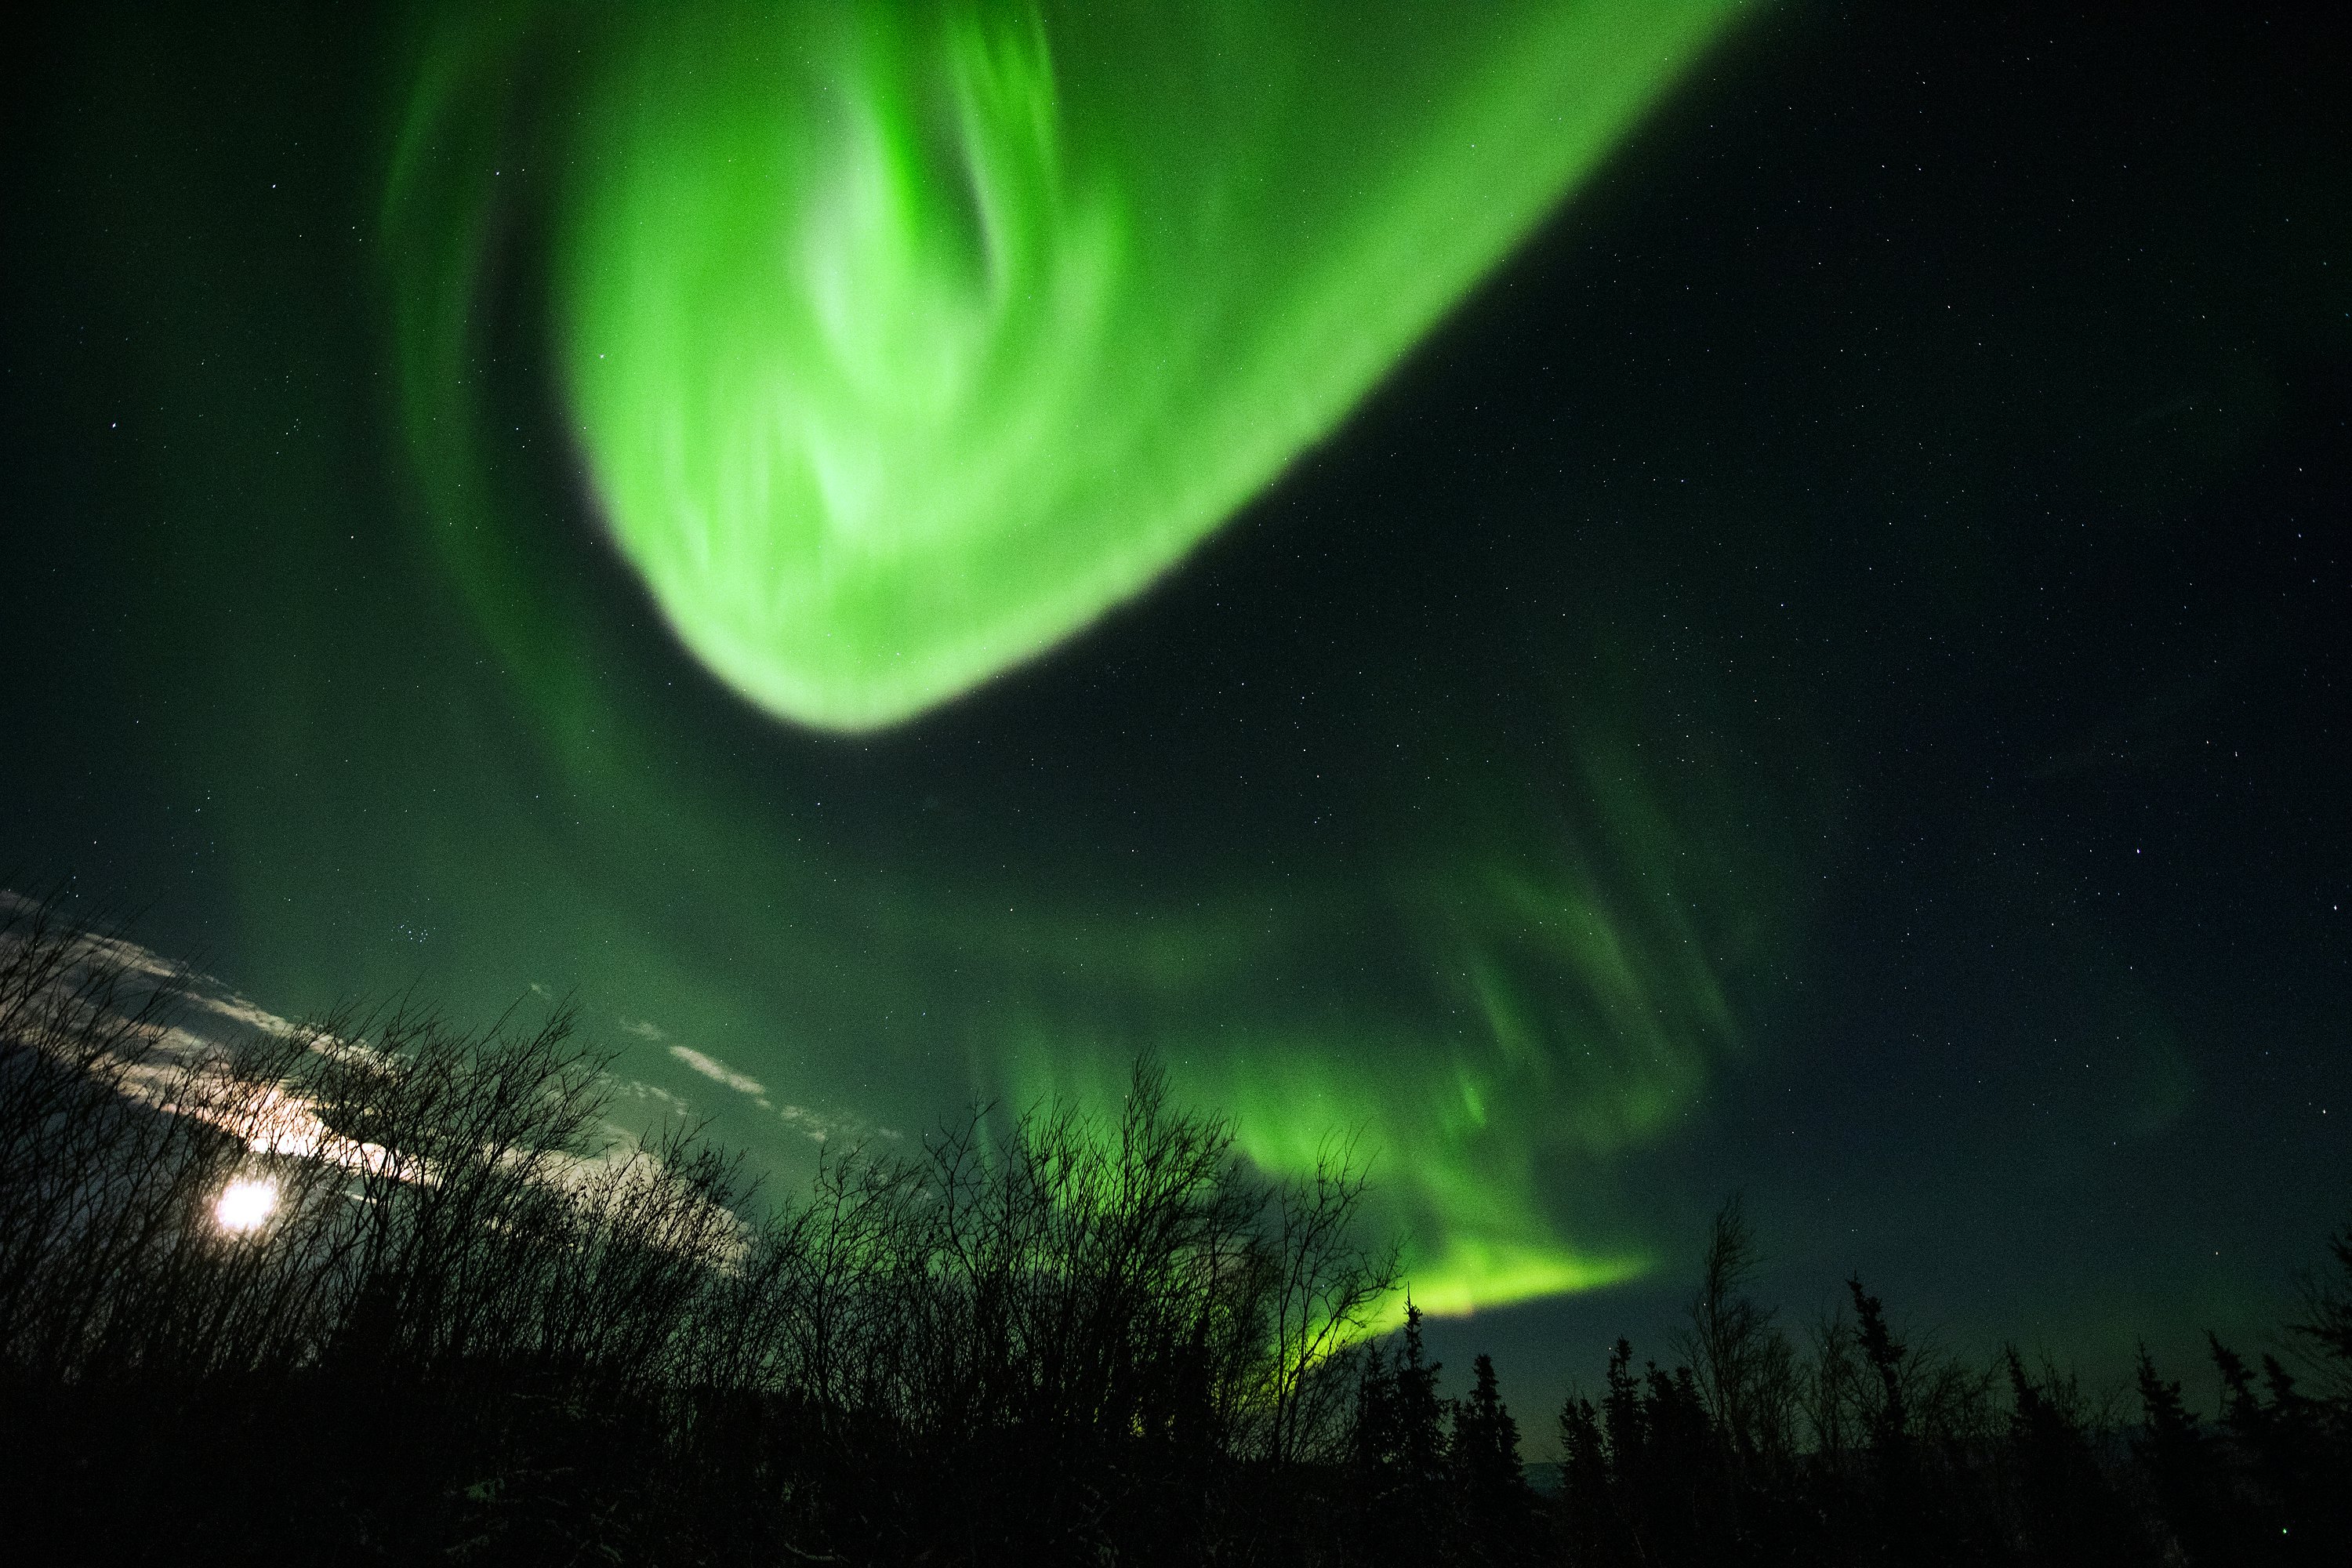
pixel 899 343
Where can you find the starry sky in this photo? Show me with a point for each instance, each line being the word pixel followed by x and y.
pixel 1778 633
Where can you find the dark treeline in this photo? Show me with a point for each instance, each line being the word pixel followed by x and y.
pixel 474 1328
pixel 1859 1447
pixel 477 1325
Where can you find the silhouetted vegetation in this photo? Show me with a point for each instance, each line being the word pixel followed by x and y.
pixel 476 1327
pixel 478 1324
pixel 1863 1449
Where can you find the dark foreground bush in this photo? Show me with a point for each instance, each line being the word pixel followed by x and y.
pixel 478 1327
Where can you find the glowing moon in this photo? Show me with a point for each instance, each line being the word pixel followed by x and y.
pixel 245 1205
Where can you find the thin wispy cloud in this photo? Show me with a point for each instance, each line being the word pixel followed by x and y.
pixel 637 1088
pixel 718 1071
pixel 819 1127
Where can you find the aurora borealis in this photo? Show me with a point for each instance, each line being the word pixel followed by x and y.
pixel 902 344
pixel 899 347
pixel 1766 626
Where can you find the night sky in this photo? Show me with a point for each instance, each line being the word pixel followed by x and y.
pixel 1786 637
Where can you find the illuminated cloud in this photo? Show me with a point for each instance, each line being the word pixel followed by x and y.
pixel 718 1071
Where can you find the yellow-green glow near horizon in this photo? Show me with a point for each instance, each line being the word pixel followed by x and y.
pixel 904 341
pixel 898 344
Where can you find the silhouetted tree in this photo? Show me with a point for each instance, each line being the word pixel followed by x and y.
pixel 2176 1452
pixel 532 1342
pixel 1883 1353
pixel 2294 1474
pixel 1585 1513
pixel 2067 1509
pixel 1745 1366
pixel 1049 1338
pixel 2323 1332
pixel 1403 1488
pixel 1497 1506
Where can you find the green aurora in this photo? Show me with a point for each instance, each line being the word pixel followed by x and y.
pixel 903 341
pixel 1821 675
pixel 897 346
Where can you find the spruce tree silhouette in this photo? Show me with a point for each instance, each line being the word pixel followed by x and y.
pixel 2291 1459
pixel 2176 1453
pixel 1890 1423
pixel 1402 1484
pixel 2067 1510
pixel 1043 1339
pixel 1495 1504
pixel 1585 1513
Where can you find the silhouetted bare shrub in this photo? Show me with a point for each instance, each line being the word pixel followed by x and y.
pixel 476 1321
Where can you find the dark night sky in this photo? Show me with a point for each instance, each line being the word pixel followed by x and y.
pixel 1883 545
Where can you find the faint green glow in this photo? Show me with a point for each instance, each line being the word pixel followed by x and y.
pixel 905 341
pixel 900 344
pixel 1561 1002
